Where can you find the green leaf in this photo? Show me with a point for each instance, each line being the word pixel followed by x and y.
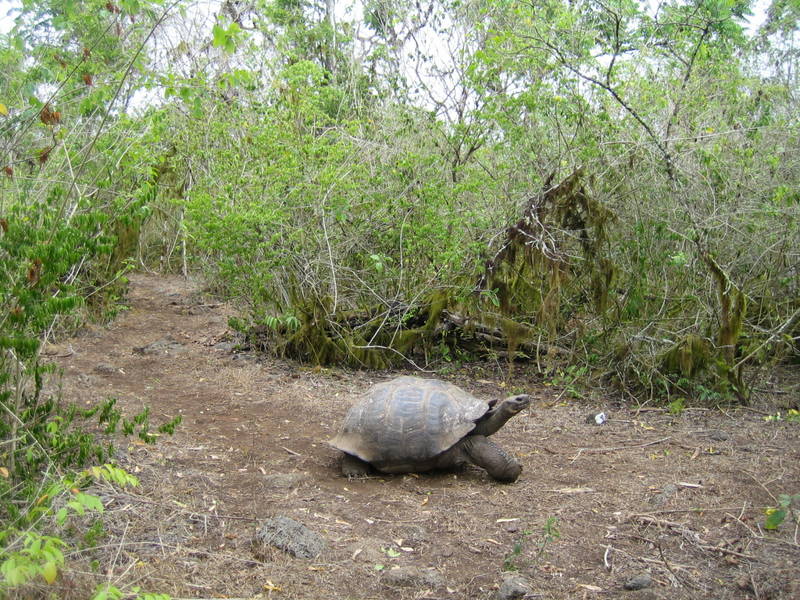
pixel 220 36
pixel 131 7
pixel 226 38
pixel 49 572
pixel 775 516
pixel 89 501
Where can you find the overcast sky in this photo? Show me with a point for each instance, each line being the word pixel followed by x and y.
pixel 6 21
pixel 8 6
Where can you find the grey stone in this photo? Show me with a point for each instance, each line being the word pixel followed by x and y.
pixel 413 577
pixel 644 595
pixel 666 493
pixel 85 380
pixel 290 536
pixel 513 527
pixel 412 535
pixel 241 359
pixel 165 346
pixel 285 480
pixel 638 582
pixel 598 418
pixel 513 587
pixel 224 347
pixel 368 550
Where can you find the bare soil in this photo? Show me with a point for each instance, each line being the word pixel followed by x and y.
pixel 679 498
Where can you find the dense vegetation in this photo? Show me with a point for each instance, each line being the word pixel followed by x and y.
pixel 595 185
pixel 611 186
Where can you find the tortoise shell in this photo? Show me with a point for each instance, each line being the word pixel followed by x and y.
pixel 407 421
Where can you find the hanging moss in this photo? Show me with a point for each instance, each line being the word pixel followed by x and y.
pixel 439 300
pixel 407 340
pixel 688 357
pixel 548 315
pixel 733 308
pixel 602 279
pixel 312 342
pixel 363 356
pixel 532 271
pixel 363 339
pixel 126 235
pixel 514 334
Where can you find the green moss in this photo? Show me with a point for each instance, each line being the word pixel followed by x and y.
pixel 602 278
pixel 439 300
pixel 514 332
pixel 688 357
pixel 362 356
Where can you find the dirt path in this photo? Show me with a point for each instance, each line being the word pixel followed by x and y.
pixel 677 498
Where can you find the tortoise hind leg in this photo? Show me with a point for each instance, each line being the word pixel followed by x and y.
pixel 497 462
pixel 352 466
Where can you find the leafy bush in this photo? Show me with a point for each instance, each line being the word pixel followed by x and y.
pixel 69 223
pixel 369 220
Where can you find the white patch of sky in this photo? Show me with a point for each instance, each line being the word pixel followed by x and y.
pixel 344 10
pixel 8 11
pixel 200 15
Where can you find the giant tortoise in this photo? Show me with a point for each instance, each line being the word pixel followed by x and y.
pixel 410 424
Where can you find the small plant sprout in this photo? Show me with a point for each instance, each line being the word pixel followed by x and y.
pixel 676 407
pixel 549 534
pixel 776 515
pixel 792 416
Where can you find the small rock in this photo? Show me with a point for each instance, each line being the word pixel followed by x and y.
pixel 667 493
pixel 643 595
pixel 105 369
pixel 368 550
pixel 165 346
pixel 285 480
pixel 241 359
pixel 290 536
pixel 224 347
pixel 513 588
pixel 638 582
pixel 413 577
pixel 85 380
pixel 597 418
pixel 412 535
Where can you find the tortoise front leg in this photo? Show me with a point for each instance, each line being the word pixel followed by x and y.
pixel 488 455
pixel 352 466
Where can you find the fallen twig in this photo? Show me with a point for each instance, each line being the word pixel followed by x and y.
pixel 67 354
pixel 644 559
pixel 669 568
pixel 696 509
pixel 615 448
pixel 763 487
pixel 692 536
